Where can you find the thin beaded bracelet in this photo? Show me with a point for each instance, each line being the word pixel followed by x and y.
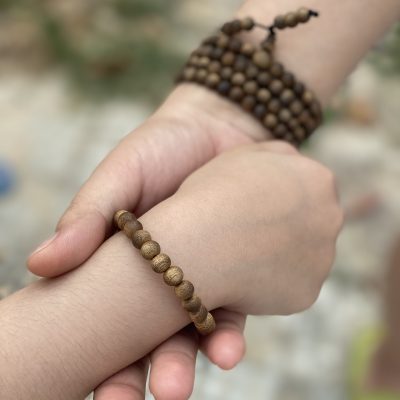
pixel 161 263
pixel 249 76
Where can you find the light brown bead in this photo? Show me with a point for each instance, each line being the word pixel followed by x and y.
pixel 204 61
pixel 248 102
pixel 205 50
pixel 296 107
pixel 212 79
pixel 139 237
pixel 308 97
pixel 247 49
pixel 216 53
pixel 160 263
pixel 263 95
pixel 287 96
pixel 262 59
pixel 194 60
pixel 274 106
pixel 207 326
pixel 173 276
pixel 280 22
pixel 247 23
pixel 214 66
pixel 201 75
pixel 270 121
pixel 222 41
pixel 184 290
pixel 228 58
pixel 150 249
pixel 200 315
pixel 250 87
pixel 276 70
pixel 291 19
pixel 189 73
pixel 193 304
pixel 226 72
pixel 238 78
pixel 285 115
pixel 303 15
pixel 121 217
pixel 131 227
pixel 276 86
pixel 236 93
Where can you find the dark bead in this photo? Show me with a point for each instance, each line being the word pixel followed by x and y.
pixel 298 88
pixel 226 72
pixel 235 45
pixel 214 66
pixel 280 130
pixel 189 73
pixel 288 79
pixel 211 40
pixel 247 49
pixel 284 115
pixel 236 93
pixel 304 117
pixel 296 107
pixel 287 96
pixel 264 78
pixel 236 26
pixel 293 123
pixel 308 97
pixel 276 86
pixel 270 121
pixel 212 79
pixel 251 71
pixel 205 50
pixel 268 44
pixel 247 23
pixel 262 59
pixel 194 60
pixel 216 53
pixel 224 87
pixel 240 63
pixel 315 108
pixel 280 22
pixel 248 102
pixel 263 95
pixel 238 78
pixel 222 41
pixel 276 70
pixel 260 110
pixel 291 19
pixel 274 106
pixel 228 58
pixel 201 75
pixel 228 29
pixel 250 87
pixel 303 15
pixel 300 133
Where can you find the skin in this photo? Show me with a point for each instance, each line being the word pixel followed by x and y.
pixel 201 125
pixel 276 236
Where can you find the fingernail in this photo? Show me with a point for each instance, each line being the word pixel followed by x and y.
pixel 45 244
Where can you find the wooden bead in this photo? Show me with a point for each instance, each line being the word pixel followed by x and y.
pixel 308 97
pixel 173 276
pixel 251 71
pixel 121 217
pixel 276 70
pixel 200 315
pixel 238 78
pixel 262 59
pixel 247 23
pixel 189 73
pixel 274 106
pixel 235 45
pixel 212 79
pixel 280 131
pixel 263 95
pixel 226 72
pixel 228 29
pixel 280 22
pixel 193 304
pixel 293 123
pixel 207 326
pixel 214 66
pixel 247 49
pixel 194 60
pixel 184 290
pixel 284 115
pixel 150 249
pixel 298 88
pixel 139 237
pixel 204 61
pixel 291 19
pixel 228 58
pixel 250 87
pixel 201 75
pixel 248 102
pixel 276 86
pixel 236 93
pixel 315 108
pixel 131 227
pixel 287 96
pixel 236 25
pixel 211 40
pixel 296 107
pixel 300 133
pixel 222 41
pixel 264 78
pixel 303 15
pixel 224 87
pixel 259 111
pixel 288 79
pixel 205 50
pixel 160 263
pixel 241 63
pixel 270 121
pixel 216 53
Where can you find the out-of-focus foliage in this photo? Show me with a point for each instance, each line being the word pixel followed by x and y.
pixel 114 47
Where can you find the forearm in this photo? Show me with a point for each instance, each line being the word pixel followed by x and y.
pixel 62 337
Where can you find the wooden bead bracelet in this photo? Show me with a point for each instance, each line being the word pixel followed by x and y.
pixel 161 263
pixel 249 76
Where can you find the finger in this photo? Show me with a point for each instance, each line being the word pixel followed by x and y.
pixel 225 346
pixel 127 384
pixel 276 146
pixel 173 366
pixel 136 175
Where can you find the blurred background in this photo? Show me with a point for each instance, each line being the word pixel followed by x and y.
pixel 75 76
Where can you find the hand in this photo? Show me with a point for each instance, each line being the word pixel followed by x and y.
pixel 179 138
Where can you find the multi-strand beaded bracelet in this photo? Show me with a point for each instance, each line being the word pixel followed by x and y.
pixel 249 76
pixel 161 263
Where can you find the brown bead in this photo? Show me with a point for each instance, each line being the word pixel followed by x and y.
pixel 280 22
pixel 287 96
pixel 207 326
pixel 280 131
pixel 276 86
pixel 184 290
pixel 228 29
pixel 247 23
pixel 270 121
pixel 121 217
pixel 224 87
pixel 263 95
pixel 205 50
pixel 204 61
pixel 226 72
pixel 288 79
pixel 315 108
pixel 284 115
pixel 303 15
pixel 276 70
pixel 264 78
pixel 274 106
pixel 251 71
pixel 201 75
pixel 238 78
pixel 308 97
pixel 173 276
pixel 150 249
pixel 214 66
pixel 250 87
pixel 241 63
pixel 194 60
pixel 236 93
pixel 247 49
pixel 293 123
pixel 222 41
pixel 304 116
pixel 236 25
pixel 131 227
pixel 235 45
pixel 298 88
pixel 200 315
pixel 212 79
pixel 211 40
pixel 300 133
pixel 228 58
pixel 193 304
pixel 139 237
pixel 259 111
pixel 262 59
pixel 189 73
pixel 291 19
pixel 248 102
pixel 216 53
pixel 160 263
pixel 296 107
